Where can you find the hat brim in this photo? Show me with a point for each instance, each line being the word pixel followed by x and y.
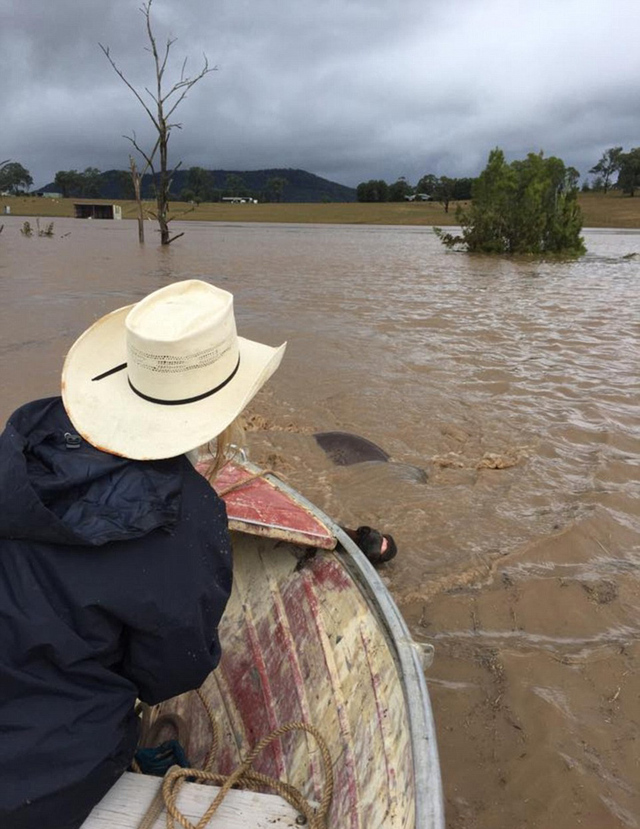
pixel 112 417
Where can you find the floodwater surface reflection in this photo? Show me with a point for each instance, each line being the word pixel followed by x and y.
pixel 512 383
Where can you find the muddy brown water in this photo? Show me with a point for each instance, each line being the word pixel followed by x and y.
pixel 513 384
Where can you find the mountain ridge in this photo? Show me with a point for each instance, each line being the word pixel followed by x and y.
pixel 300 186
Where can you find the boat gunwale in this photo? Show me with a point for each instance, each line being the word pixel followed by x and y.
pixel 429 804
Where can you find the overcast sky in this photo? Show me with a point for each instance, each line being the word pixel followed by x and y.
pixel 347 89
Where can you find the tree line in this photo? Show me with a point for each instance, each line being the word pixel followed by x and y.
pixel 199 185
pixel 616 170
pixel 615 160
pixel 540 191
pixel 444 189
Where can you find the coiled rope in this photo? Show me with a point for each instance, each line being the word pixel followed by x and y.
pixel 243 777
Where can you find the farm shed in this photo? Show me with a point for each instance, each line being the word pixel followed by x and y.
pixel 97 211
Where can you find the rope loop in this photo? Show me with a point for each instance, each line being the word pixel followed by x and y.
pixel 245 777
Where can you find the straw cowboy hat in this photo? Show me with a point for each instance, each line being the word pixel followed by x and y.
pixel 161 377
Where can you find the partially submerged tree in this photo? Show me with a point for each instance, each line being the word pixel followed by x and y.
pixel 136 182
pixel 527 206
pixel 160 111
pixel 3 164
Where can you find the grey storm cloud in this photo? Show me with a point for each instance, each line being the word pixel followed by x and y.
pixel 347 89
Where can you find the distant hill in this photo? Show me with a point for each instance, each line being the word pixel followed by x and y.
pixel 300 186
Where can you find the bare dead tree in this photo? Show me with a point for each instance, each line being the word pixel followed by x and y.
pixel 160 112
pixel 136 178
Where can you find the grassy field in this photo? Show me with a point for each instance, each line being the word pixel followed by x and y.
pixel 612 210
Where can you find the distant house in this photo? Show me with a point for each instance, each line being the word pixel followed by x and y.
pixel 239 200
pixel 49 195
pixel 419 197
pixel 97 211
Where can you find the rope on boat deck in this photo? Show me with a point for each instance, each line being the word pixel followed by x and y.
pixel 244 776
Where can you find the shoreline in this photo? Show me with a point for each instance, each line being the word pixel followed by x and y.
pixel 599 211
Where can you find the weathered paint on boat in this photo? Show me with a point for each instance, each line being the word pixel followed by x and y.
pixel 326 644
pixel 257 505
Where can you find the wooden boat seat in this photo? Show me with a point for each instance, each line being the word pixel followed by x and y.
pixel 126 803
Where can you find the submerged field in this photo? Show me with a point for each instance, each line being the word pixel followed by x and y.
pixel 612 210
pixel 513 383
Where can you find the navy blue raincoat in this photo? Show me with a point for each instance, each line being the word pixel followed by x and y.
pixel 113 577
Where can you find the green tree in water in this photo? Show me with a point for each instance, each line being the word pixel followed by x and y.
pixel 527 206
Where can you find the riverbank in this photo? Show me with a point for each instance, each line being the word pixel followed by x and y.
pixel 611 210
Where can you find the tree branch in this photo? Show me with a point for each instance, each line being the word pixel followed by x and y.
pixel 131 87
pixel 181 213
pixel 186 86
pixel 160 119
pixel 148 158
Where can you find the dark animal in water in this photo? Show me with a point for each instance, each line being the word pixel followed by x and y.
pixel 345 449
pixel 378 547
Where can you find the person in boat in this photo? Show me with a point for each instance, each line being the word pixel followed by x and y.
pixel 115 559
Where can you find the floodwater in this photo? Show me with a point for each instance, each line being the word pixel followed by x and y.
pixel 512 384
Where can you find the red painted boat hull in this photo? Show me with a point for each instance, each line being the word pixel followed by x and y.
pixel 322 643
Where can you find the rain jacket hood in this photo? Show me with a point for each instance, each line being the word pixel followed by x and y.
pixel 57 488
pixel 114 575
